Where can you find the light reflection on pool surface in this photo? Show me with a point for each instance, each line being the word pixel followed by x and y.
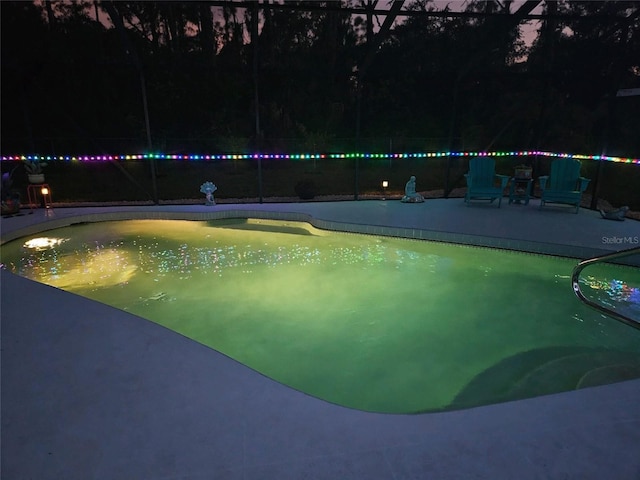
pixel 374 323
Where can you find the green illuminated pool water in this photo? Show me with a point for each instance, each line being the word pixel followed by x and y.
pixel 373 323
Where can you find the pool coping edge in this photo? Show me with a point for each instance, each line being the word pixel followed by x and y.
pixel 527 246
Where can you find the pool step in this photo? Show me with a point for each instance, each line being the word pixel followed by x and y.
pixel 295 228
pixel 603 375
pixel 568 372
pixel 547 370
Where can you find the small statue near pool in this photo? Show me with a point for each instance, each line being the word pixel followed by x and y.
pixel 410 194
pixel 208 188
pixel 617 214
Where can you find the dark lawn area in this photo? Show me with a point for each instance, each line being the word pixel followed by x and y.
pixel 178 180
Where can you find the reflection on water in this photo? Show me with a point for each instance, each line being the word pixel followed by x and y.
pixel 617 290
pixel 375 323
pixel 613 293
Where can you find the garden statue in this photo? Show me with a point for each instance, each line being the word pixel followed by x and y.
pixel 410 194
pixel 208 188
pixel 615 214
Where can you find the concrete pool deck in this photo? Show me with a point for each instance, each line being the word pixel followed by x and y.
pixel 91 392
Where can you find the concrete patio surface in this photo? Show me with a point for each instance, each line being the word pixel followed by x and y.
pixel 92 392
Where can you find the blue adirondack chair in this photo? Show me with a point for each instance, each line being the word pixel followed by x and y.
pixel 483 183
pixel 564 183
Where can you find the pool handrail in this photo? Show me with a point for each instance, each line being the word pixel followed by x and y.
pixel 604 258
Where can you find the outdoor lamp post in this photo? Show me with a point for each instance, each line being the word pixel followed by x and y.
pixel 46 196
pixel 385 185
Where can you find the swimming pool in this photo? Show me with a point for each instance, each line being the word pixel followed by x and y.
pixel 374 323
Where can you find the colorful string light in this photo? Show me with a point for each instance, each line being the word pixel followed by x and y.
pixel 310 156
